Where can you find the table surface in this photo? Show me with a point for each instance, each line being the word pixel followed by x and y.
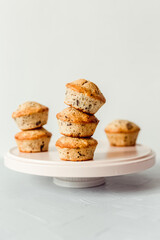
pixel 126 207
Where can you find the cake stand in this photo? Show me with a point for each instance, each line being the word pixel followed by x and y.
pixel 108 161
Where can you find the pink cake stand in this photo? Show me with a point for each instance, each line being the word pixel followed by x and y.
pixel 108 161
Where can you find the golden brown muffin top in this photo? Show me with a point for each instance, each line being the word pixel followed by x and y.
pixel 33 134
pixel 77 143
pixel 86 87
pixel 121 126
pixel 29 108
pixel 75 116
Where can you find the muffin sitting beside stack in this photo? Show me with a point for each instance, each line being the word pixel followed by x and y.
pixel 122 133
pixel 77 123
pixel 30 117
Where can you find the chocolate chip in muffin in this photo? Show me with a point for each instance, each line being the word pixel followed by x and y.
pixel 84 82
pixel 69 124
pixel 125 138
pixel 77 102
pixel 113 144
pixel 38 123
pixel 42 146
pixel 129 126
pixel 80 154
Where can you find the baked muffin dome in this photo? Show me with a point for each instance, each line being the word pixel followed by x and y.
pixel 36 140
pixel 122 133
pixel 76 149
pixel 75 123
pixel 30 115
pixel 84 95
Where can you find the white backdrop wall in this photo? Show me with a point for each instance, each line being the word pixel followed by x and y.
pixel 116 44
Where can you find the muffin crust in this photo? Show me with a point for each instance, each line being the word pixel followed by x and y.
pixel 73 115
pixel 33 134
pixel 86 87
pixel 29 108
pixel 121 126
pixel 75 143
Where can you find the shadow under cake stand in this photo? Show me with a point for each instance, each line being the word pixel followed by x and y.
pixel 108 161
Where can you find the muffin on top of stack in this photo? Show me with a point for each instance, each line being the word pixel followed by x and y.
pixel 30 117
pixel 77 122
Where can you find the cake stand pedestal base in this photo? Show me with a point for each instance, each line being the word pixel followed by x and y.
pixel 78 182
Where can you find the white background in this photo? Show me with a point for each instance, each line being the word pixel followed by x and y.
pixel 115 44
pixel 43 45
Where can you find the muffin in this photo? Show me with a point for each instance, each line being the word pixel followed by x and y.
pixel 74 123
pixel 122 133
pixel 31 141
pixel 76 149
pixel 30 115
pixel 84 95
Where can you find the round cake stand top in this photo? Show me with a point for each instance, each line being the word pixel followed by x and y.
pixel 108 161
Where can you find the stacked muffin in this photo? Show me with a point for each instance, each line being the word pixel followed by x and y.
pixel 77 123
pixel 30 117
